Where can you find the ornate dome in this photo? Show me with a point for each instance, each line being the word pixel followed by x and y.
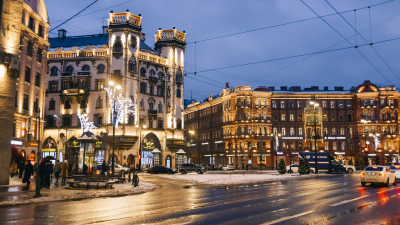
pixel 39 7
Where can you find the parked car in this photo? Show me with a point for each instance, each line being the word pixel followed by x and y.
pixel 397 174
pixel 394 168
pixel 161 169
pixel 188 167
pixel 295 169
pixel 377 174
pixel 119 169
pixel 349 168
pixel 228 167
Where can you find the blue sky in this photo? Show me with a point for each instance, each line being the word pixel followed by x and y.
pixel 208 19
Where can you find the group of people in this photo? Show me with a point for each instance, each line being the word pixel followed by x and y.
pixel 46 170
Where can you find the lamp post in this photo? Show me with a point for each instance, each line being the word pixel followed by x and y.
pixel 276 149
pixel 38 158
pixel 191 132
pixel 315 134
pixel 140 144
pixel 111 83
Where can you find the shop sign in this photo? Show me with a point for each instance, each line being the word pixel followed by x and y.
pixel 371 154
pixel 149 145
pixel 205 143
pixel 340 153
pixel 193 144
pixel 297 138
pixel 16 142
pixel 386 154
pixel 295 153
pixel 49 150
pixel 207 155
pixel 221 154
pixel 33 144
pixel 217 142
pixel 335 138
pixel 395 154
pixel 279 153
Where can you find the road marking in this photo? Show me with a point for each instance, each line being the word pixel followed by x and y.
pixel 347 201
pixel 387 190
pixel 287 218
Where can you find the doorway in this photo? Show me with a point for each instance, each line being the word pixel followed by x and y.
pixel 168 162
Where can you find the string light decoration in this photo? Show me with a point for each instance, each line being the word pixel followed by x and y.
pixel 85 124
pixel 377 142
pixel 122 106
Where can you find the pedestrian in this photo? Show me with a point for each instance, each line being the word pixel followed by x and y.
pixel 64 171
pixel 52 169
pixel 42 172
pixel 103 168
pixel 13 170
pixel 21 168
pixel 28 173
pixel 57 170
pixel 48 172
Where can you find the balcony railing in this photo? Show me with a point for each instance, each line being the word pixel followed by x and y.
pixel 153 79
pixel 152 58
pixel 85 54
pixel 170 34
pixel 125 17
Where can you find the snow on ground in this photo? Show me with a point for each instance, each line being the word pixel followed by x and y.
pixel 66 193
pixel 234 179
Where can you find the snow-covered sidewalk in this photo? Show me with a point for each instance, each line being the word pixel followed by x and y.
pixel 235 179
pixel 66 193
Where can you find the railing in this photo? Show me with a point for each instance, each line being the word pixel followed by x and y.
pixel 69 55
pixel 55 56
pixel 152 58
pixel 74 54
pixel 170 34
pixel 153 79
pixel 86 54
pixel 102 53
pixel 125 17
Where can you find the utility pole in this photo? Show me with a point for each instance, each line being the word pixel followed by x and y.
pixel 38 158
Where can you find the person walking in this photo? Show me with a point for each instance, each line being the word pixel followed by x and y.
pixel 28 173
pixel 21 168
pixel 64 171
pixel 52 170
pixel 57 170
pixel 48 172
pixel 13 170
pixel 103 168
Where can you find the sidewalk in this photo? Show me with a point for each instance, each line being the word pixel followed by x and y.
pixel 17 193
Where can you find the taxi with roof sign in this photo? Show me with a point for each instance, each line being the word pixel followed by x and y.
pixel 377 174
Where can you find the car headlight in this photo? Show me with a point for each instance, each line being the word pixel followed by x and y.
pixel 202 168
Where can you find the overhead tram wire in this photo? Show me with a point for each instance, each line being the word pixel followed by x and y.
pixel 370 43
pixel 356 47
pixel 206 82
pixel 283 24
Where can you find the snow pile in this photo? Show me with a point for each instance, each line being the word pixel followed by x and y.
pixel 234 179
pixel 66 193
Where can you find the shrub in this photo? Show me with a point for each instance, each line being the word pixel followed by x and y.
pixel 282 166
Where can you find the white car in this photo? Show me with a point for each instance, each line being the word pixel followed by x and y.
pixel 228 167
pixel 377 174
pixel 397 174
pixel 119 169
pixel 295 169
pixel 350 168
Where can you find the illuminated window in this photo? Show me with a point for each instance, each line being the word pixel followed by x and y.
pixel 334 145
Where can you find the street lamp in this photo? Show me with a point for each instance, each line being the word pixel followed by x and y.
pixel 140 144
pixel 191 132
pixel 111 83
pixel 315 134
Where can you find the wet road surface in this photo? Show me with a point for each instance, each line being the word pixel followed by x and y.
pixel 326 200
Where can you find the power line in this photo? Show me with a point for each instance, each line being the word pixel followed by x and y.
pixel 205 82
pixel 74 15
pixel 347 41
pixel 283 24
pixel 363 39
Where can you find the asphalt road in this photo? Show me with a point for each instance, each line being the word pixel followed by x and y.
pixel 327 200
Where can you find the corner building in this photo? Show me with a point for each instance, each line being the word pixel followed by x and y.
pixel 254 129
pixel 80 67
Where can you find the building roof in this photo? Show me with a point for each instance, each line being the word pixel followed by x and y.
pixel 86 40
pixel 39 7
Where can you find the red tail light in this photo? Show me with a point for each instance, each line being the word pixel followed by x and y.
pixel 362 173
pixel 381 174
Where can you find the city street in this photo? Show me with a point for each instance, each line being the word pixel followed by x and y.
pixel 336 199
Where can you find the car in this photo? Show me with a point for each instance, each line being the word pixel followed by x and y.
pixel 397 174
pixel 119 169
pixel 349 168
pixel 377 174
pixel 228 167
pixel 393 168
pixel 189 167
pixel 161 169
pixel 295 169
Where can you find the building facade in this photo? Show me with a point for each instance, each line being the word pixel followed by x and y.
pixel 80 67
pixel 256 128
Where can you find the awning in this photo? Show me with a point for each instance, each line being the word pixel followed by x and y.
pixel 180 151
pixel 49 150
pixel 156 150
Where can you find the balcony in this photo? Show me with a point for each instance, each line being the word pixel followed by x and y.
pixel 152 58
pixel 76 54
pixel 170 35
pixel 73 91
pixel 126 17
pixel 153 79
pixel 84 73
pixel 123 141
pixel 152 113
pixel 175 144
pixel 66 74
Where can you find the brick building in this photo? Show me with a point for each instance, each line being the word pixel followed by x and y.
pixel 255 128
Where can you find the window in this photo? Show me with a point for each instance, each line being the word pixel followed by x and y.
pixel 371 102
pixel 41 31
pixel 37 80
pixel 16 98
pixel 282 104
pixel 160 124
pixel 325 131
pixel 99 103
pixel 332 104
pixel 25 105
pixel 67 104
pixel 274 104
pixel 99 85
pixel 151 89
pixel 341 104
pixel 334 145
pixel 372 129
pixel 179 75
pixel 265 130
pixel 131 120
pixel 333 117
pixel 101 69
pixel 291 104
pixel 132 64
pixel 160 91
pixel 341 118
pixel 142 105
pixel 264 116
pixel 299 117
pixel 283 131
pixel 143 88
pixel 333 131
pixel 160 107
pixel 248 116
pixel 83 104
pixel 300 145
pixel 28 74
pixel 349 117
pixel 323 104
pixel 341 131
pixel 54 71
pixel 327 145
pixel 248 130
pixel 348 103
pixel 143 72
pixel 66 120
pixel 283 117
pixel 69 69
pixel 264 102
pixel 178 124
pixel 52 104
pixel 117 46
pixel 292 131
pixel 325 118
pixel 30 23
pixel 248 103
pixel 291 117
pixel 98 119
pixel 152 73
pixel 372 117
pixel 274 130
pixel 178 93
pixel 30 49
pixel 85 68
pixel 160 76
pixel 259 116
pixel 36 105
pixel 298 104
pixel 300 131
pixel 274 118
pixel 151 105
pixel 39 55
pixel 259 102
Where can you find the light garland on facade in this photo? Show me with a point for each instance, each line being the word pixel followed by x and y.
pixel 85 124
pixel 122 106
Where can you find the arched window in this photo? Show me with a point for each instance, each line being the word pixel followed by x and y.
pixel 101 68
pixel 161 76
pixel 69 69
pixel 152 73
pixel 117 46
pixel 143 72
pixel 179 75
pixel 132 64
pixel 54 71
pixel 86 68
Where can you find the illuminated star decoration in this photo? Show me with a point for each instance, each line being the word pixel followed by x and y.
pixel 85 124
pixel 377 142
pixel 122 106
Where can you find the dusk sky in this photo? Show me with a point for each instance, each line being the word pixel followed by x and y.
pixel 209 19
